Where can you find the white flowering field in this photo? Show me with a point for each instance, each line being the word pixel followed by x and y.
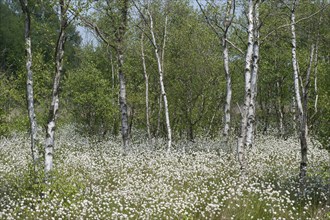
pixel 195 181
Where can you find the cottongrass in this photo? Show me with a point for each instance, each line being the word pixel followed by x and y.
pixel 93 180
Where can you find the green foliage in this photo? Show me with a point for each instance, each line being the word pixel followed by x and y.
pixel 90 99
pixel 13 115
pixel 44 28
pixel 320 120
pixel 11 41
pixel 193 68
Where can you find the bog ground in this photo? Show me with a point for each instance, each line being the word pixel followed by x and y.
pixel 95 181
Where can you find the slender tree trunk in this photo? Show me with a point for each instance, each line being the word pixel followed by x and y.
pixel 241 146
pixel 122 101
pixel 279 110
pixel 226 129
pixel 315 80
pixel 119 15
pixel 306 88
pixel 54 107
pixel 294 114
pixel 315 72
pixel 227 24
pixel 161 78
pixel 304 128
pixel 122 83
pixel 160 107
pixel 301 114
pixel 29 84
pixel 254 78
pixel 146 78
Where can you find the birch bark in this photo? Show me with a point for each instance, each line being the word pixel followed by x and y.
pixel 294 113
pixel 305 94
pixel 146 78
pixel 315 69
pixel 122 100
pixel 315 78
pixel 159 116
pixel 159 56
pixel 280 112
pixel 254 77
pixel 29 83
pixel 227 24
pixel 122 82
pixel 229 15
pixel 301 114
pixel 241 146
pixel 54 107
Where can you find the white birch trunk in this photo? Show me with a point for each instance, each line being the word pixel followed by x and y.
pixel 315 75
pixel 123 102
pixel 29 84
pixel 122 82
pixel 280 112
pixel 159 56
pixel 241 145
pixel 160 107
pixel 254 78
pixel 302 127
pixel 294 114
pixel 54 107
pixel 307 83
pixel 227 24
pixel 146 78
pixel 295 62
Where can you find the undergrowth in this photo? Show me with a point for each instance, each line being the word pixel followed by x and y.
pixel 93 180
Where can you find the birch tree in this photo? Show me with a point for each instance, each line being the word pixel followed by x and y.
pixel 159 53
pixel 223 36
pixel 115 13
pixel 122 82
pixel 54 106
pixel 301 105
pixel 242 139
pixel 29 82
pixel 302 136
pixel 316 61
pixel 146 79
pixel 227 22
pixel 254 77
pixel 279 110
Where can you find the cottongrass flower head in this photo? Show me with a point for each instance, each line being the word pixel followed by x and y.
pixel 197 180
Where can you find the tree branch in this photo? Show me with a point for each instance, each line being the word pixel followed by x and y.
pixel 234 46
pixel 298 21
pixel 208 20
pixel 97 31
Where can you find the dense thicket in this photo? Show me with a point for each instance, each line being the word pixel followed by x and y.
pixel 193 70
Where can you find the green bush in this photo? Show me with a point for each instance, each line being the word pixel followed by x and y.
pixel 90 100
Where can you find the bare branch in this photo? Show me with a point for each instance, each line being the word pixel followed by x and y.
pixel 99 33
pixel 234 46
pixel 208 20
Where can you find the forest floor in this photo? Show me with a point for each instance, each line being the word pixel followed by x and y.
pixel 94 180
